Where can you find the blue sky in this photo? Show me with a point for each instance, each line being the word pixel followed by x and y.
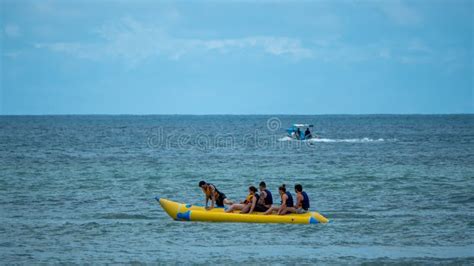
pixel 232 57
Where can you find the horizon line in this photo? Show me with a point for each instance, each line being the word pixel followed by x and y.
pixel 224 114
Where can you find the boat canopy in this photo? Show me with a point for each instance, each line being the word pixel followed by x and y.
pixel 302 125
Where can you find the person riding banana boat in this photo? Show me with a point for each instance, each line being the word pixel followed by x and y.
pixel 286 205
pixel 212 193
pixel 302 201
pixel 259 203
pixel 266 199
pixel 248 205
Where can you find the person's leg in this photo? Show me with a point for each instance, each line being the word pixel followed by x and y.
pixel 235 207
pixel 291 210
pixel 271 209
pixel 228 202
pixel 230 209
pixel 286 210
pixel 301 211
pixel 222 199
pixel 246 208
pixel 220 202
pixel 260 208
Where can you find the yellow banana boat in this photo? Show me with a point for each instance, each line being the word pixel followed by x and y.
pixel 187 212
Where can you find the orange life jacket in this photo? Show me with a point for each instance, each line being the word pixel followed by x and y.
pixel 248 199
pixel 209 192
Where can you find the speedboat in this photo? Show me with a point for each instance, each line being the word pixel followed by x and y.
pixel 297 132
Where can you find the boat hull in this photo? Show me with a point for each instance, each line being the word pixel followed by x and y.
pixel 186 212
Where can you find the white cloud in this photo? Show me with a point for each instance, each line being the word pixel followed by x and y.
pixel 12 30
pixel 80 50
pixel 270 45
pixel 135 42
pixel 12 54
pixel 400 13
pixel 133 39
pixel 385 53
pixel 414 51
pixel 416 45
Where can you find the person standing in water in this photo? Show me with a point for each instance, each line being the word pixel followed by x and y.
pixel 212 193
pixel 286 202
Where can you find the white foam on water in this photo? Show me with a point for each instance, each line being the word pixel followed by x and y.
pixel 355 140
pixel 326 140
pixel 285 139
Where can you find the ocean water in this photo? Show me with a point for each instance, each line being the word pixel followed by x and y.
pixel 76 189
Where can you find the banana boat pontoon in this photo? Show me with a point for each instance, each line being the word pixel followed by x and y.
pixel 187 212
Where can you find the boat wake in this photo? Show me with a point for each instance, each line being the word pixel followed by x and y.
pixel 355 140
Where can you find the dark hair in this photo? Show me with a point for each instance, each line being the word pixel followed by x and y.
pixel 282 188
pixel 298 187
pixel 253 189
pixel 262 184
pixel 201 183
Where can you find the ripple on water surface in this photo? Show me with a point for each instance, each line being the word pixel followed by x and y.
pixel 77 189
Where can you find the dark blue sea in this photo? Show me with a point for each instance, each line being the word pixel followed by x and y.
pixel 78 189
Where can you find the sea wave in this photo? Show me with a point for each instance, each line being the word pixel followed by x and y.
pixel 123 216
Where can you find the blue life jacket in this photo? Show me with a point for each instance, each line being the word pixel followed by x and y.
pixel 305 202
pixel 289 201
pixel 268 198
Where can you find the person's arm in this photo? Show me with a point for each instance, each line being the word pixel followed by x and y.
pixel 263 196
pixel 207 198
pixel 283 204
pixel 299 200
pixel 213 198
pixel 254 202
